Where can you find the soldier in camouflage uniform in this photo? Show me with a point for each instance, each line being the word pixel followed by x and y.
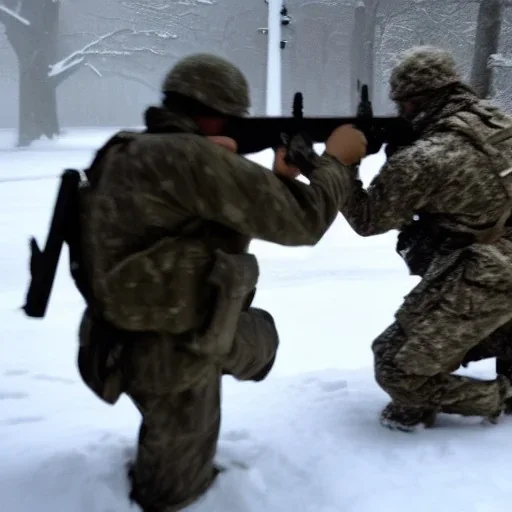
pixel 167 219
pixel 448 193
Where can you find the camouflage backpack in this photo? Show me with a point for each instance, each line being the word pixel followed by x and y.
pixel 422 239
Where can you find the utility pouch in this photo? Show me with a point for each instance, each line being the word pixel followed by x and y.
pixel 234 278
pixel 100 357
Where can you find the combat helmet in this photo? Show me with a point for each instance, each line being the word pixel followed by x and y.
pixel 422 70
pixel 212 81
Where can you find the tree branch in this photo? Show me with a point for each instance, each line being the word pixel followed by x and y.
pixel 162 13
pixel 73 61
pixel 422 5
pixel 126 76
pixel 66 71
pixel 7 15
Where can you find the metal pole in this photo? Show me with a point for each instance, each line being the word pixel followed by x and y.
pixel 274 58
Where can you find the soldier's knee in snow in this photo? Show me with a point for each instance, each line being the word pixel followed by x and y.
pixel 392 379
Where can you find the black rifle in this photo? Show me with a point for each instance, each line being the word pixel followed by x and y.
pixel 254 134
pixel 64 228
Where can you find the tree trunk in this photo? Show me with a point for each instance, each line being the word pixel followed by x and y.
pixel 35 46
pixel 37 101
pixel 490 18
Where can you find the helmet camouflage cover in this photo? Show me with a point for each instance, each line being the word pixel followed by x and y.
pixel 211 80
pixel 422 70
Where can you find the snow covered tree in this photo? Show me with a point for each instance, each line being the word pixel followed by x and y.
pixel 32 28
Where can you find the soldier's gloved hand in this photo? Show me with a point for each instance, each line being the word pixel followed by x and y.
pixel 281 167
pixel 346 144
pixel 301 154
pixel 226 142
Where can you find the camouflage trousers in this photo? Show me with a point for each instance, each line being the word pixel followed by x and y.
pixel 440 392
pixel 440 322
pixel 498 345
pixel 180 420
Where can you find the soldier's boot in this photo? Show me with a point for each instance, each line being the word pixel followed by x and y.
pixel 406 419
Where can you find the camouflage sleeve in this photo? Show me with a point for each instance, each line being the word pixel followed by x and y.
pixel 399 190
pixel 227 188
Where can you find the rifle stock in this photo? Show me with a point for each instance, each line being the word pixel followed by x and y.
pixel 43 263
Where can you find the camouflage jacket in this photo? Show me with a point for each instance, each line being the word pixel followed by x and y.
pixel 445 172
pixel 161 202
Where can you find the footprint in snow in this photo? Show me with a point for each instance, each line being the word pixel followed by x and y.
pixel 309 381
pixel 15 373
pixel 329 386
pixel 236 435
pixel 22 419
pixel 38 376
pixel 12 395
pixel 333 386
pixel 51 378
pixel 330 391
pixel 236 449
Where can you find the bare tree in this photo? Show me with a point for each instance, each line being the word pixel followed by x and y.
pixel 117 53
pixel 32 28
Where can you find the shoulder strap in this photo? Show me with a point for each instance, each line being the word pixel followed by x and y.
pixel 495 232
pixel 500 136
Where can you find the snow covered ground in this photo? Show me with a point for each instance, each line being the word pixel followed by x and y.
pixel 307 438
